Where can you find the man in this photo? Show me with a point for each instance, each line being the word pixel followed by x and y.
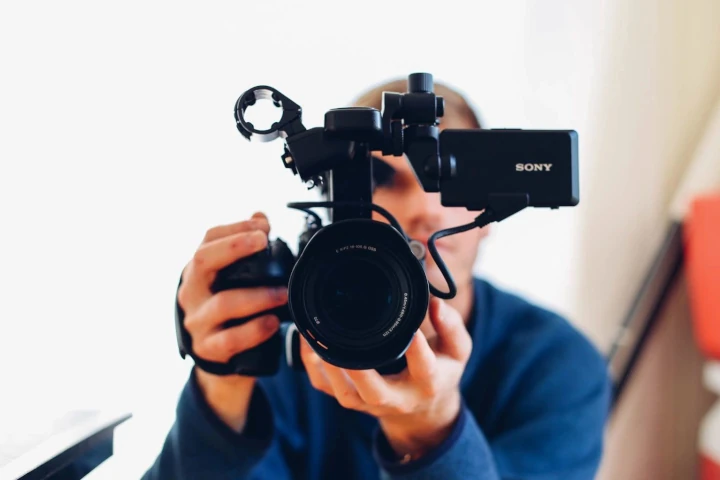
pixel 495 387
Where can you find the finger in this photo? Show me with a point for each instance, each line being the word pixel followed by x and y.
pixel 221 346
pixel 200 272
pixel 421 361
pixel 372 387
pixel 428 330
pixel 258 222
pixel 313 367
pixel 194 289
pixel 345 392
pixel 235 303
pixel 212 256
pixel 191 293
pixel 453 337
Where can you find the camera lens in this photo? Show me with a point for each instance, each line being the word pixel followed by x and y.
pixel 358 294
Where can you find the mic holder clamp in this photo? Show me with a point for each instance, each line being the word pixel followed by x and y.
pixel 288 125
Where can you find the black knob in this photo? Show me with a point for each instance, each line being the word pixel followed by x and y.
pixel 420 83
pixel 354 123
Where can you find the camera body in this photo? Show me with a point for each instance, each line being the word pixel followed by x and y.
pixel 357 290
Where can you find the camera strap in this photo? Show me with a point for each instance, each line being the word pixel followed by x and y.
pixel 262 360
pixel 184 341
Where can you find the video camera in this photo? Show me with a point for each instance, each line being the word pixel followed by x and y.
pixel 357 290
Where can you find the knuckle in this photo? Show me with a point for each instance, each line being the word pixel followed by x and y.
pixel 465 349
pixel 211 233
pixel 227 344
pixel 220 304
pixel 186 271
pixel 320 385
pixel 223 306
pixel 202 350
pixel 183 296
pixel 244 245
pixel 431 371
pixel 347 400
pixel 211 310
pixel 199 259
pixel 192 322
pixel 314 382
pixel 431 388
pixel 405 408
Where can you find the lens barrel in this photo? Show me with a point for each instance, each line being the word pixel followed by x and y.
pixel 358 294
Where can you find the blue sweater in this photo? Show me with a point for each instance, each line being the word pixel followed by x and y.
pixel 536 397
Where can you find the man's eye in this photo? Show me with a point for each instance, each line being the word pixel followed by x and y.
pixel 383 173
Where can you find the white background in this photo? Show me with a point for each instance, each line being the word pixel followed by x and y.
pixel 119 149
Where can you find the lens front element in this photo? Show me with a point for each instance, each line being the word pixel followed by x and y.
pixel 358 294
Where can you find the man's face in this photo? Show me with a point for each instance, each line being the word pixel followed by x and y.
pixel 421 214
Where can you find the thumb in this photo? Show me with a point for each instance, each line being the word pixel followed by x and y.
pixel 453 337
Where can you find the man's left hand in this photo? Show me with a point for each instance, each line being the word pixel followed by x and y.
pixel 418 407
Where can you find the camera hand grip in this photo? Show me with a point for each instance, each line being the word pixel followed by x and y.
pixel 270 267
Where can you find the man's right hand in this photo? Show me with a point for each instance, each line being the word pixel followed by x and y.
pixel 205 313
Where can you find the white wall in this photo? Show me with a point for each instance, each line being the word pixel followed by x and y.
pixel 659 84
pixel 119 150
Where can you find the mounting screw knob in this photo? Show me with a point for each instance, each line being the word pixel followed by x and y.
pixel 420 83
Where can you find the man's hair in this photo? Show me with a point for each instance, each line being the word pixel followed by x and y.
pixel 456 105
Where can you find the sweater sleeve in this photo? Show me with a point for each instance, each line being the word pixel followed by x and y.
pixel 549 422
pixel 200 445
pixel 552 424
pixel 464 454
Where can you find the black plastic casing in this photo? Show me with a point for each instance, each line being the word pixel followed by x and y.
pixel 370 241
pixel 540 163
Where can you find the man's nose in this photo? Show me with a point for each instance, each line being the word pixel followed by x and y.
pixel 424 210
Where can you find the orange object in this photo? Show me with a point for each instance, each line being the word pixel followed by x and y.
pixel 701 232
pixel 709 468
pixel 709 433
